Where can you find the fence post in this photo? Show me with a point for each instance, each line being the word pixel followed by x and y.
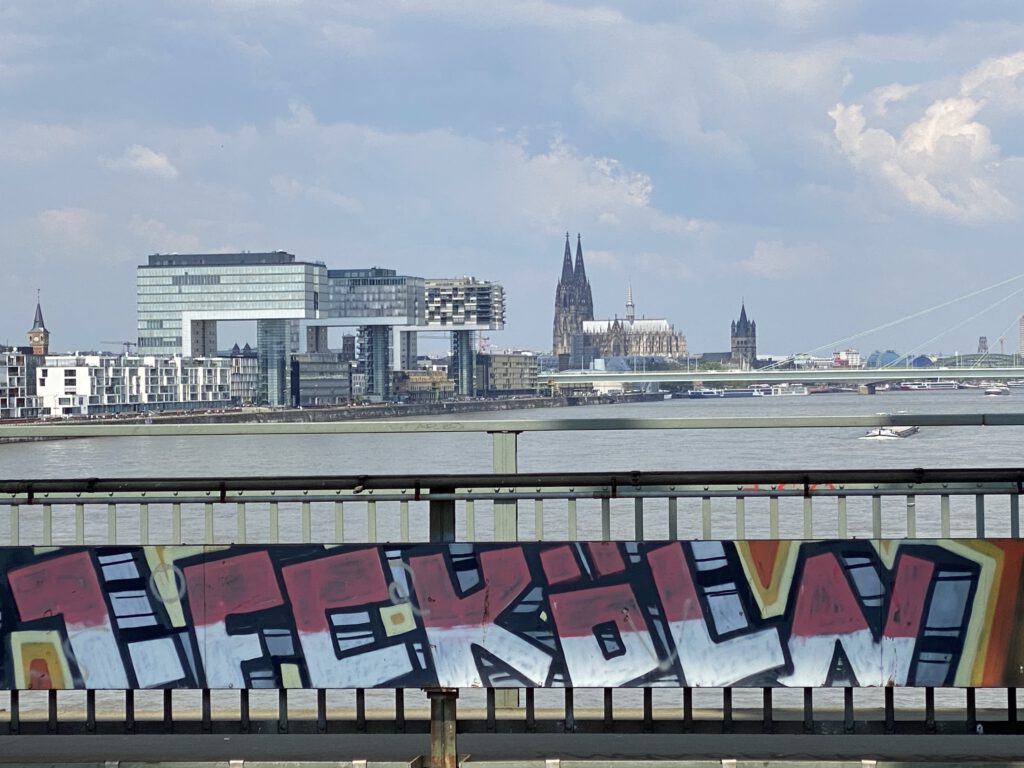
pixel 443 713
pixel 506 521
pixel 443 744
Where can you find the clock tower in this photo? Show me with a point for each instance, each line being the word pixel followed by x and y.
pixel 39 337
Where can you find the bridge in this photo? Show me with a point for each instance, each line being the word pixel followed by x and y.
pixel 654 605
pixel 778 376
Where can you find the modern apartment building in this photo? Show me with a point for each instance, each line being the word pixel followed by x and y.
pixel 465 306
pixel 500 374
pixel 18 398
pixel 84 385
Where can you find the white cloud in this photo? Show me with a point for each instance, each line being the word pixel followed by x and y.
pixel 320 192
pixel 881 98
pixel 156 236
pixel 945 163
pixel 999 81
pixel 67 227
pixel 776 259
pixel 29 142
pixel 144 160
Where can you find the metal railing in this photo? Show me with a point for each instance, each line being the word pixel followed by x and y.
pixel 504 506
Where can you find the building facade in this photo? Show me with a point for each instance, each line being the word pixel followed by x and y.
pixel 465 306
pixel 628 337
pixel 85 385
pixel 574 302
pixel 744 341
pixel 18 399
pixel 502 374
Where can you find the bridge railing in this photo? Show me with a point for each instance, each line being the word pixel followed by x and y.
pixel 868 507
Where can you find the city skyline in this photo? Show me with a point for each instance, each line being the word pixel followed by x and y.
pixel 832 166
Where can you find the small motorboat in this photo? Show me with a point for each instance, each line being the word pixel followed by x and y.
pixel 889 433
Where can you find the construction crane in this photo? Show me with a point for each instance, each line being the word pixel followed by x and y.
pixel 129 346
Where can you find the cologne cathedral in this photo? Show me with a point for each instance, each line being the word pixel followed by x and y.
pixel 579 339
pixel 573 300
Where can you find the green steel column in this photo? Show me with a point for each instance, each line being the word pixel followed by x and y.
pixel 506 519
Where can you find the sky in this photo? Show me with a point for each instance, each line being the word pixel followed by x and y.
pixel 835 165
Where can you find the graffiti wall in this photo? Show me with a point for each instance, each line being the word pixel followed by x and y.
pixel 705 613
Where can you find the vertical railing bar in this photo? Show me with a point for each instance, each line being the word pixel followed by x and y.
pixel 687 708
pixel 207 710
pixel 1011 705
pixel 572 520
pixel 129 711
pixel 470 520
pixel 911 516
pixel 768 716
pixel 531 715
pixel 90 709
pixel 808 517
pixel 808 710
pixel 321 710
pixel 944 515
pixel 570 711
pixel 15 524
pixel 112 523
pixel 773 517
pixel 168 719
pixel 609 708
pixel 339 522
pixel 979 515
pixel 876 517
pixel 307 522
pixel 400 709
pixel 15 704
pixel 538 519
pixel 51 710
pixel 648 709
pixel 606 519
pixel 275 522
pixel 1014 515
pixel 243 707
pixel 403 520
pixel 360 709
pixel 726 709
pixel 490 706
pixel 741 518
pixel 705 513
pixel 208 522
pixel 47 524
pixel 842 527
pixel 929 710
pixel 673 518
pixel 144 523
pixel 282 710
pixel 79 523
pixel 243 523
pixel 638 519
pixel 371 521
pixel 176 523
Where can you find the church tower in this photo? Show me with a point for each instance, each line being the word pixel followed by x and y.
pixel 744 340
pixel 574 301
pixel 39 337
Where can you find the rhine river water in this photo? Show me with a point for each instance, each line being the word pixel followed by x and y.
pixel 735 449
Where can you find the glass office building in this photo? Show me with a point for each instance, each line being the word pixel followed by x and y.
pixel 181 297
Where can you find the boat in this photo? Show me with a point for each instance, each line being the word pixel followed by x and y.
pixel 997 389
pixel 889 433
pixel 779 390
pixel 704 393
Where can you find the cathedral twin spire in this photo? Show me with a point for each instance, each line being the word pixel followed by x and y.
pixel 574 301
